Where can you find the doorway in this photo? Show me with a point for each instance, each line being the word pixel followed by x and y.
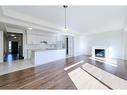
pixel 66 45
pixel 13 47
pixel 69 46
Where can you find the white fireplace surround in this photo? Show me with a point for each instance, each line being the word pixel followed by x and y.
pixel 98 47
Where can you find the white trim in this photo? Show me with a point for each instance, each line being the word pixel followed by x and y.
pixel 1 46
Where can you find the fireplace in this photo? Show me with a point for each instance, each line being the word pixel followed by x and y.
pixel 100 53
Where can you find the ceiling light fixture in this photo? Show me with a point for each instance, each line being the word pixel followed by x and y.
pixel 29 28
pixel 12 35
pixel 15 37
pixel 65 27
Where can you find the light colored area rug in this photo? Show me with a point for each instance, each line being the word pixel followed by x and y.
pixel 109 79
pixel 83 80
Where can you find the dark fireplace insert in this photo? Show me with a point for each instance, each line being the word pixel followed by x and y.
pixel 100 53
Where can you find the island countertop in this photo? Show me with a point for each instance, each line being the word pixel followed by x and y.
pixel 43 56
pixel 36 50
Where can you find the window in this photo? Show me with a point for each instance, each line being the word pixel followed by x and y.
pixel 9 46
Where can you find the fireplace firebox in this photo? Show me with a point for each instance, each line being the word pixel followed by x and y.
pixel 100 53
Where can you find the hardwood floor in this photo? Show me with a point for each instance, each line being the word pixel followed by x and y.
pixel 53 75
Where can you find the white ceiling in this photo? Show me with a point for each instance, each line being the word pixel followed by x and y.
pixel 83 19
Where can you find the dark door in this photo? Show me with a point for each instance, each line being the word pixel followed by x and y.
pixel 66 45
pixel 14 47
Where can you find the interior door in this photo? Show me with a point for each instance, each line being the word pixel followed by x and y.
pixel 66 45
pixel 14 47
pixel 70 45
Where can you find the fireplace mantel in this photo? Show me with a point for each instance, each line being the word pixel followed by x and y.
pixel 100 47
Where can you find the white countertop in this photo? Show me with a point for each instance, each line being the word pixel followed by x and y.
pixel 36 50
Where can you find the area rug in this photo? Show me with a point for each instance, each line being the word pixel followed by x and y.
pixel 83 80
pixel 109 79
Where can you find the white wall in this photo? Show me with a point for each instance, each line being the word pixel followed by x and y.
pixel 111 39
pixel 1 46
pixel 79 45
pixel 125 45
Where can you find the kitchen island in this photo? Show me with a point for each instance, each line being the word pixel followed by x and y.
pixel 45 56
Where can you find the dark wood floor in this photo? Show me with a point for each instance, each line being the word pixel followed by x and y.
pixel 53 75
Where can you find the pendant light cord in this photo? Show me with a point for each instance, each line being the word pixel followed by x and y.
pixel 65 6
pixel 65 19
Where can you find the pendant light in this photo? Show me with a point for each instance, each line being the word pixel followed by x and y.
pixel 65 27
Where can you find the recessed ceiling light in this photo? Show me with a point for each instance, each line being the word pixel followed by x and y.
pixel 29 28
pixel 15 37
pixel 12 35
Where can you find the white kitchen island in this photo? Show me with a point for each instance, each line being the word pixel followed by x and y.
pixel 45 56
